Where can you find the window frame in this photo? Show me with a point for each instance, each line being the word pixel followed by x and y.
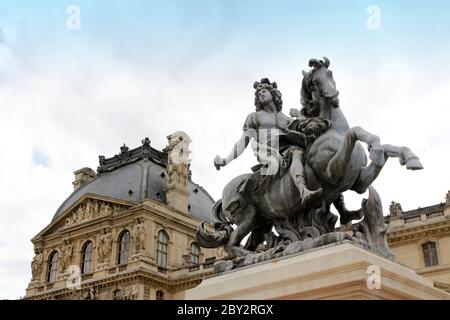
pixel 121 251
pixel 162 248
pixel 430 254
pixel 52 266
pixel 195 256
pixel 84 261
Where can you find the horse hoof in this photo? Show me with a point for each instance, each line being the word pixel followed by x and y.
pixel 414 164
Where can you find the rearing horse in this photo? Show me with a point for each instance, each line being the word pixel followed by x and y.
pixel 335 161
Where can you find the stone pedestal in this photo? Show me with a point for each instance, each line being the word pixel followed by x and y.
pixel 340 271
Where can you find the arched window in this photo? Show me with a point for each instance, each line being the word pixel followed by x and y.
pixel 161 249
pixel 195 253
pixel 430 254
pixel 86 258
pixel 159 295
pixel 124 247
pixel 52 270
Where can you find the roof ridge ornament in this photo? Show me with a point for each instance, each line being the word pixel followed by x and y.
pixel 127 156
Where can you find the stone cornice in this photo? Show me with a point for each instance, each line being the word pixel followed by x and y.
pixel 141 275
pixel 419 231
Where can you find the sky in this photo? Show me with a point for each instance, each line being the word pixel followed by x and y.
pixel 80 78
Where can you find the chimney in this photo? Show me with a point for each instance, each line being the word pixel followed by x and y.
pixel 178 172
pixel 82 177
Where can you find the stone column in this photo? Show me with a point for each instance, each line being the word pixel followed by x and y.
pixel 178 172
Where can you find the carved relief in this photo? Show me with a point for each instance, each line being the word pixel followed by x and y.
pixel 36 264
pixel 92 209
pixel 104 246
pixel 139 234
pixel 395 210
pixel 66 255
pixel 130 293
pixel 178 160
pixel 90 294
pixel 187 259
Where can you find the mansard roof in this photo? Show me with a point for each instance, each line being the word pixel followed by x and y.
pixel 135 175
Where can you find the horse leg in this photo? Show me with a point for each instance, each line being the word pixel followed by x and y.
pixel 405 156
pixel 338 163
pixel 367 176
pixel 370 173
pixel 346 216
pixel 258 235
pixel 244 227
pixel 296 170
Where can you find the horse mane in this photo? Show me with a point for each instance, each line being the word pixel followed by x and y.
pixel 310 107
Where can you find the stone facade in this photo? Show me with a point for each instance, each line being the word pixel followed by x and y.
pixel 140 277
pixel 104 247
pixel 420 239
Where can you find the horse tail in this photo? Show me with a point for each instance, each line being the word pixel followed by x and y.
pixel 222 229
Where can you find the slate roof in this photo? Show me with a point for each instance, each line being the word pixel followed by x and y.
pixel 135 175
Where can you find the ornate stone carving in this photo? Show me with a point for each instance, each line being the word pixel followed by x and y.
pixel 36 264
pixel 127 156
pixel 104 246
pixel 187 259
pixel 178 160
pixel 130 293
pixel 90 294
pixel 92 209
pixel 139 234
pixel 66 255
pixel 395 210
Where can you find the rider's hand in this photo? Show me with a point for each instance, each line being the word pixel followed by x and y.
pixel 294 113
pixel 219 162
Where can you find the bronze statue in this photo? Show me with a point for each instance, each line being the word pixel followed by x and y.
pixel 329 158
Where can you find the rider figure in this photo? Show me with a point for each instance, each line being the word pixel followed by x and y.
pixel 264 127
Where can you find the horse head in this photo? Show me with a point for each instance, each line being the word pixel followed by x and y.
pixel 318 84
pixel 319 95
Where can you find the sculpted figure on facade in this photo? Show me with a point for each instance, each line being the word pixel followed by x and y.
pixel 36 264
pixel 177 171
pixel 104 246
pixel 395 210
pixel 139 234
pixel 66 255
pixel 92 209
pixel 105 208
pixel 306 162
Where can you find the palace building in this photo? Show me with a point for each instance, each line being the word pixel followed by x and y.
pixel 127 232
pixel 420 239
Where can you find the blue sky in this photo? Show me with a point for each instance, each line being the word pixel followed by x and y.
pixel 140 69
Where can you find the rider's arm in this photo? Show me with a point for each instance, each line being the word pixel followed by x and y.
pixel 249 132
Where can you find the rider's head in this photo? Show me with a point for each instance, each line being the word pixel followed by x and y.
pixel 265 93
